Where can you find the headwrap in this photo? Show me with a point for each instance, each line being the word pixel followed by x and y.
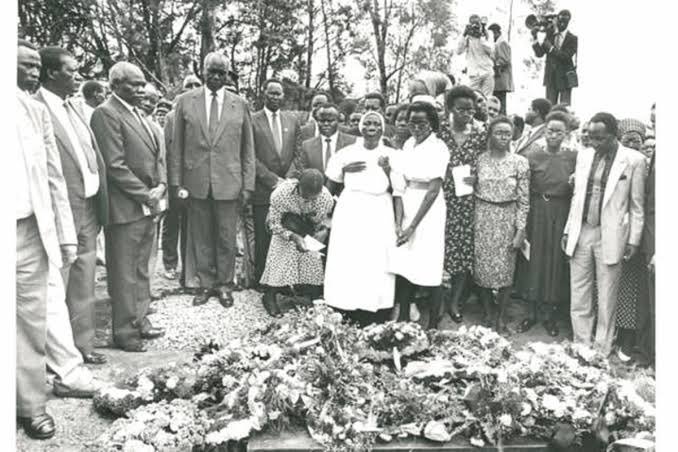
pixel 630 125
pixel 369 113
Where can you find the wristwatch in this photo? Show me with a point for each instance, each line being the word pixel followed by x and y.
pixel 182 193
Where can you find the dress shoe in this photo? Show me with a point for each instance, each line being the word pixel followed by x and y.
pixel 39 427
pixel 78 391
pixel 152 333
pixel 133 347
pixel 202 297
pixel 94 358
pixel 270 304
pixel 225 297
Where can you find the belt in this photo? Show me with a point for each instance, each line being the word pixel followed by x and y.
pixel 415 184
pixel 497 203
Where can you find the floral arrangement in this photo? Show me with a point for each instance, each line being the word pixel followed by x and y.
pixel 349 388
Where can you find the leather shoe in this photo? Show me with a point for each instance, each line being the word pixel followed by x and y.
pixel 94 358
pixel 81 391
pixel 202 297
pixel 39 427
pixel 152 333
pixel 225 297
pixel 270 304
pixel 134 347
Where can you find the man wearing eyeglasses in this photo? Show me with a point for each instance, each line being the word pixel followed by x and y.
pixel 212 164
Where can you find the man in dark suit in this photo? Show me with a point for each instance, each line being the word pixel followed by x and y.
pixel 559 54
pixel 316 152
pixel 503 69
pixel 211 162
pixel 135 166
pixel 277 139
pixel 536 118
pixel 310 129
pixel 85 173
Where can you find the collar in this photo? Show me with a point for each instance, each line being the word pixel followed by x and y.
pixel 208 94
pixel 269 113
pixel 126 104
pixel 333 138
pixel 52 99
pixel 563 33
pixel 611 153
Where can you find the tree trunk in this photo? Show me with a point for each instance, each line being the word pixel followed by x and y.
pixel 309 50
pixel 206 31
pixel 330 66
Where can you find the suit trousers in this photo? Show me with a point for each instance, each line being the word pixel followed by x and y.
pixel 482 82
pixel 262 239
pixel 211 248
pixel 555 96
pixel 63 357
pixel 31 313
pixel 586 263
pixel 80 280
pixel 173 235
pixel 128 251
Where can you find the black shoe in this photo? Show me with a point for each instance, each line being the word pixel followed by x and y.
pixel 39 427
pixel 551 327
pixel 202 297
pixel 526 325
pixel 225 297
pixel 132 347
pixel 457 318
pixel 270 304
pixel 94 358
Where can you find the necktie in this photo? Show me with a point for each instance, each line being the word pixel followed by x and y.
pixel 214 115
pixel 276 132
pixel 84 144
pixel 145 126
pixel 559 40
pixel 593 214
pixel 328 150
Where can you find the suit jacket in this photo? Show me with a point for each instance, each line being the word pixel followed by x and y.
pixel 270 165
pixel 311 153
pixel 621 218
pixel 168 131
pixel 525 145
pixel 135 161
pixel 48 192
pixel 503 69
pixel 558 61
pixel 72 171
pixel 224 163
pixel 308 130
pixel 647 245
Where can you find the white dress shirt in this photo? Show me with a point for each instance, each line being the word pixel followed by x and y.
pixel 28 140
pixel 208 102
pixel 56 105
pixel 333 146
pixel 269 116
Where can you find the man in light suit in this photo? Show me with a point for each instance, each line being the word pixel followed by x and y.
pixel 211 161
pixel 85 174
pixel 45 234
pixel 604 227
pixel 277 139
pixel 536 119
pixel 137 181
pixel 316 152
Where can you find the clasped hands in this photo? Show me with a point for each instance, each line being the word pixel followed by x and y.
pixel 404 235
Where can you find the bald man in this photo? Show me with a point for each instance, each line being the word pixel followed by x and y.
pixel 135 163
pixel 211 164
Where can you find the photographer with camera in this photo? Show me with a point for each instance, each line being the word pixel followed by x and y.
pixel 551 38
pixel 479 55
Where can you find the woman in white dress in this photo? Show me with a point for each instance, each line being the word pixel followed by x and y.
pixel 357 278
pixel 417 174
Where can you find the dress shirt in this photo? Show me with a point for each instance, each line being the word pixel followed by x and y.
pixel 208 102
pixel 333 146
pixel 28 140
pixel 77 139
pixel 479 52
pixel 269 116
pixel 595 186
pixel 87 112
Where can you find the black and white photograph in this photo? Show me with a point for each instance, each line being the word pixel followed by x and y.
pixel 337 225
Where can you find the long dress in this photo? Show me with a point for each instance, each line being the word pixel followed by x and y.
pixel 363 233
pixel 420 260
pixel 459 220
pixel 546 275
pixel 502 203
pixel 285 265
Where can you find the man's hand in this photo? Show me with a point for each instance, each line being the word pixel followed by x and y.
pixel 518 240
pixel 650 266
pixel 563 243
pixel 155 195
pixel 354 167
pixel 69 254
pixel 299 242
pixel 405 236
pixel 630 251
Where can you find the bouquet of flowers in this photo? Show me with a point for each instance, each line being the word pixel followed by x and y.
pixel 389 341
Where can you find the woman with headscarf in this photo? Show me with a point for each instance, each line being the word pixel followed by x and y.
pixel 545 277
pixel 417 177
pixel 502 193
pixel 357 277
pixel 632 287
pixel 298 208
pixel 465 140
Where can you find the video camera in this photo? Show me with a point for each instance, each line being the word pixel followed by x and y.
pixel 545 23
pixel 477 29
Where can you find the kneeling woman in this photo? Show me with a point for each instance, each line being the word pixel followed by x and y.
pixel 502 203
pixel 297 208
pixel 357 279
pixel 417 177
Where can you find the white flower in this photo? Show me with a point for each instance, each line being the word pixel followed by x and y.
pixel 527 409
pixel 506 420
pixel 172 382
pixel 134 445
pixel 235 430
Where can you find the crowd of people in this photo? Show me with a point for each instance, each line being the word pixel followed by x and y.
pixel 381 210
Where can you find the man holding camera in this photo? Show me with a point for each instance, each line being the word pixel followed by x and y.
pixel 559 45
pixel 479 52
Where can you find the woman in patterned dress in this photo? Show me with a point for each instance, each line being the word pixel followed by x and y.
pixel 465 141
pixel 288 262
pixel 502 195
pixel 545 278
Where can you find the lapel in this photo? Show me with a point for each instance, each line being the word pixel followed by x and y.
pixel 93 139
pixel 200 109
pixel 317 152
pixel 262 119
pixel 134 123
pixel 60 133
pixel 226 108
pixel 533 137
pixel 618 165
pixel 287 125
